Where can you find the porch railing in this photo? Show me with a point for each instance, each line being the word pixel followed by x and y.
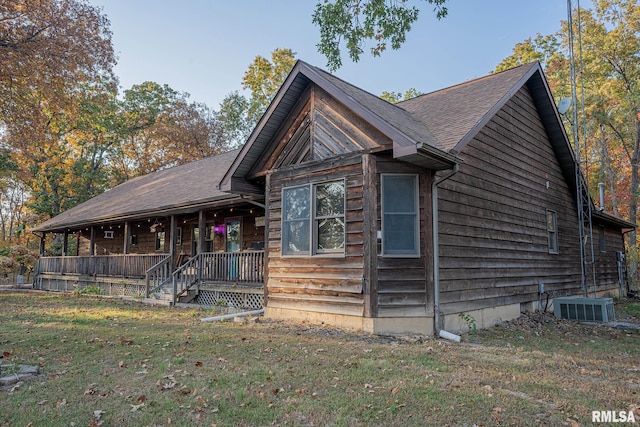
pixel 158 276
pixel 237 267
pixel 126 266
pixel 234 267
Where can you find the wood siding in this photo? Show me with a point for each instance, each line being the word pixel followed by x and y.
pixel 332 283
pixel 606 261
pixel 319 128
pixel 493 234
pixel 405 285
pixel 322 140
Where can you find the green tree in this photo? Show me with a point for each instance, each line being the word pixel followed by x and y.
pixel 51 51
pixel 159 128
pixel 353 23
pixel 395 97
pixel 262 79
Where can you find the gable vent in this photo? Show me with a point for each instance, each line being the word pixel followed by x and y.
pixel 584 309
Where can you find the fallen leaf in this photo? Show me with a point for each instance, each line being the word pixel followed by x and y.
pixel 91 390
pixel 198 363
pixel 395 390
pixel 134 408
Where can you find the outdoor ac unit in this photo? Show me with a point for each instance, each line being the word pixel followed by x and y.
pixel 585 309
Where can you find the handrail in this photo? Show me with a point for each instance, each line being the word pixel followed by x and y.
pixel 186 276
pixel 158 275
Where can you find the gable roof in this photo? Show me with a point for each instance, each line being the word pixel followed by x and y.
pixel 410 136
pixel 178 189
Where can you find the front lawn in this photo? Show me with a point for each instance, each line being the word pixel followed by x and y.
pixel 114 363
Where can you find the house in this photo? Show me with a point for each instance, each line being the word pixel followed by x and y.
pixel 378 217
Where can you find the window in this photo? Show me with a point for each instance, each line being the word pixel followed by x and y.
pixel 552 231
pixel 313 219
pixel 400 223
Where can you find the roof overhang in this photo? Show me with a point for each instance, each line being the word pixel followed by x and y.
pixel 425 156
pixel 54 225
pixel 238 177
pixel 608 219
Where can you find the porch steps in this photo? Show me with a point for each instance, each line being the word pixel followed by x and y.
pixel 163 294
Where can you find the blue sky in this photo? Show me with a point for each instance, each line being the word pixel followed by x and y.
pixel 203 47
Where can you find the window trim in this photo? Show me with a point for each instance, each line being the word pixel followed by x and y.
pixel 417 251
pixel 552 234
pixel 313 250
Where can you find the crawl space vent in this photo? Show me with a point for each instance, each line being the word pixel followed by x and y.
pixel 584 309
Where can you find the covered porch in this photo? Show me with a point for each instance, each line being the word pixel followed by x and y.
pixel 166 258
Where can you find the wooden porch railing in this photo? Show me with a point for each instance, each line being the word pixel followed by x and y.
pixel 128 266
pixel 158 276
pixel 234 267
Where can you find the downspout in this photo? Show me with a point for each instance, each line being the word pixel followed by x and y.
pixel 436 244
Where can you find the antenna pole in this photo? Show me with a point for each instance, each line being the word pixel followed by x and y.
pixel 583 198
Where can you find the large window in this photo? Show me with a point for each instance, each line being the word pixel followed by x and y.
pixel 313 219
pixel 552 231
pixel 400 220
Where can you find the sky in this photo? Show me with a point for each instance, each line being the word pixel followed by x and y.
pixel 203 47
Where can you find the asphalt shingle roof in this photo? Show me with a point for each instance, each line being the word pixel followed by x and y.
pixel 175 188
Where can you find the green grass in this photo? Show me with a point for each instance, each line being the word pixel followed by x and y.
pixel 142 365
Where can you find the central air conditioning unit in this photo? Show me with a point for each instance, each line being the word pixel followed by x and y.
pixel 584 309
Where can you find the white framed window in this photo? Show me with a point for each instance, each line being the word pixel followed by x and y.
pixel 400 215
pixel 552 231
pixel 313 219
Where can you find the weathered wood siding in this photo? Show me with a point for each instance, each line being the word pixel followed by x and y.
pixel 606 261
pixel 493 235
pixel 321 141
pixel 405 285
pixel 319 128
pixel 331 284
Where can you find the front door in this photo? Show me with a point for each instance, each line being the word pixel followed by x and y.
pixel 233 228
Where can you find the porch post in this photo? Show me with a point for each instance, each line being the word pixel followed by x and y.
pixel 92 242
pixel 202 225
pixel 172 239
pixel 65 243
pixel 127 231
pixel 42 243
pixel 172 255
